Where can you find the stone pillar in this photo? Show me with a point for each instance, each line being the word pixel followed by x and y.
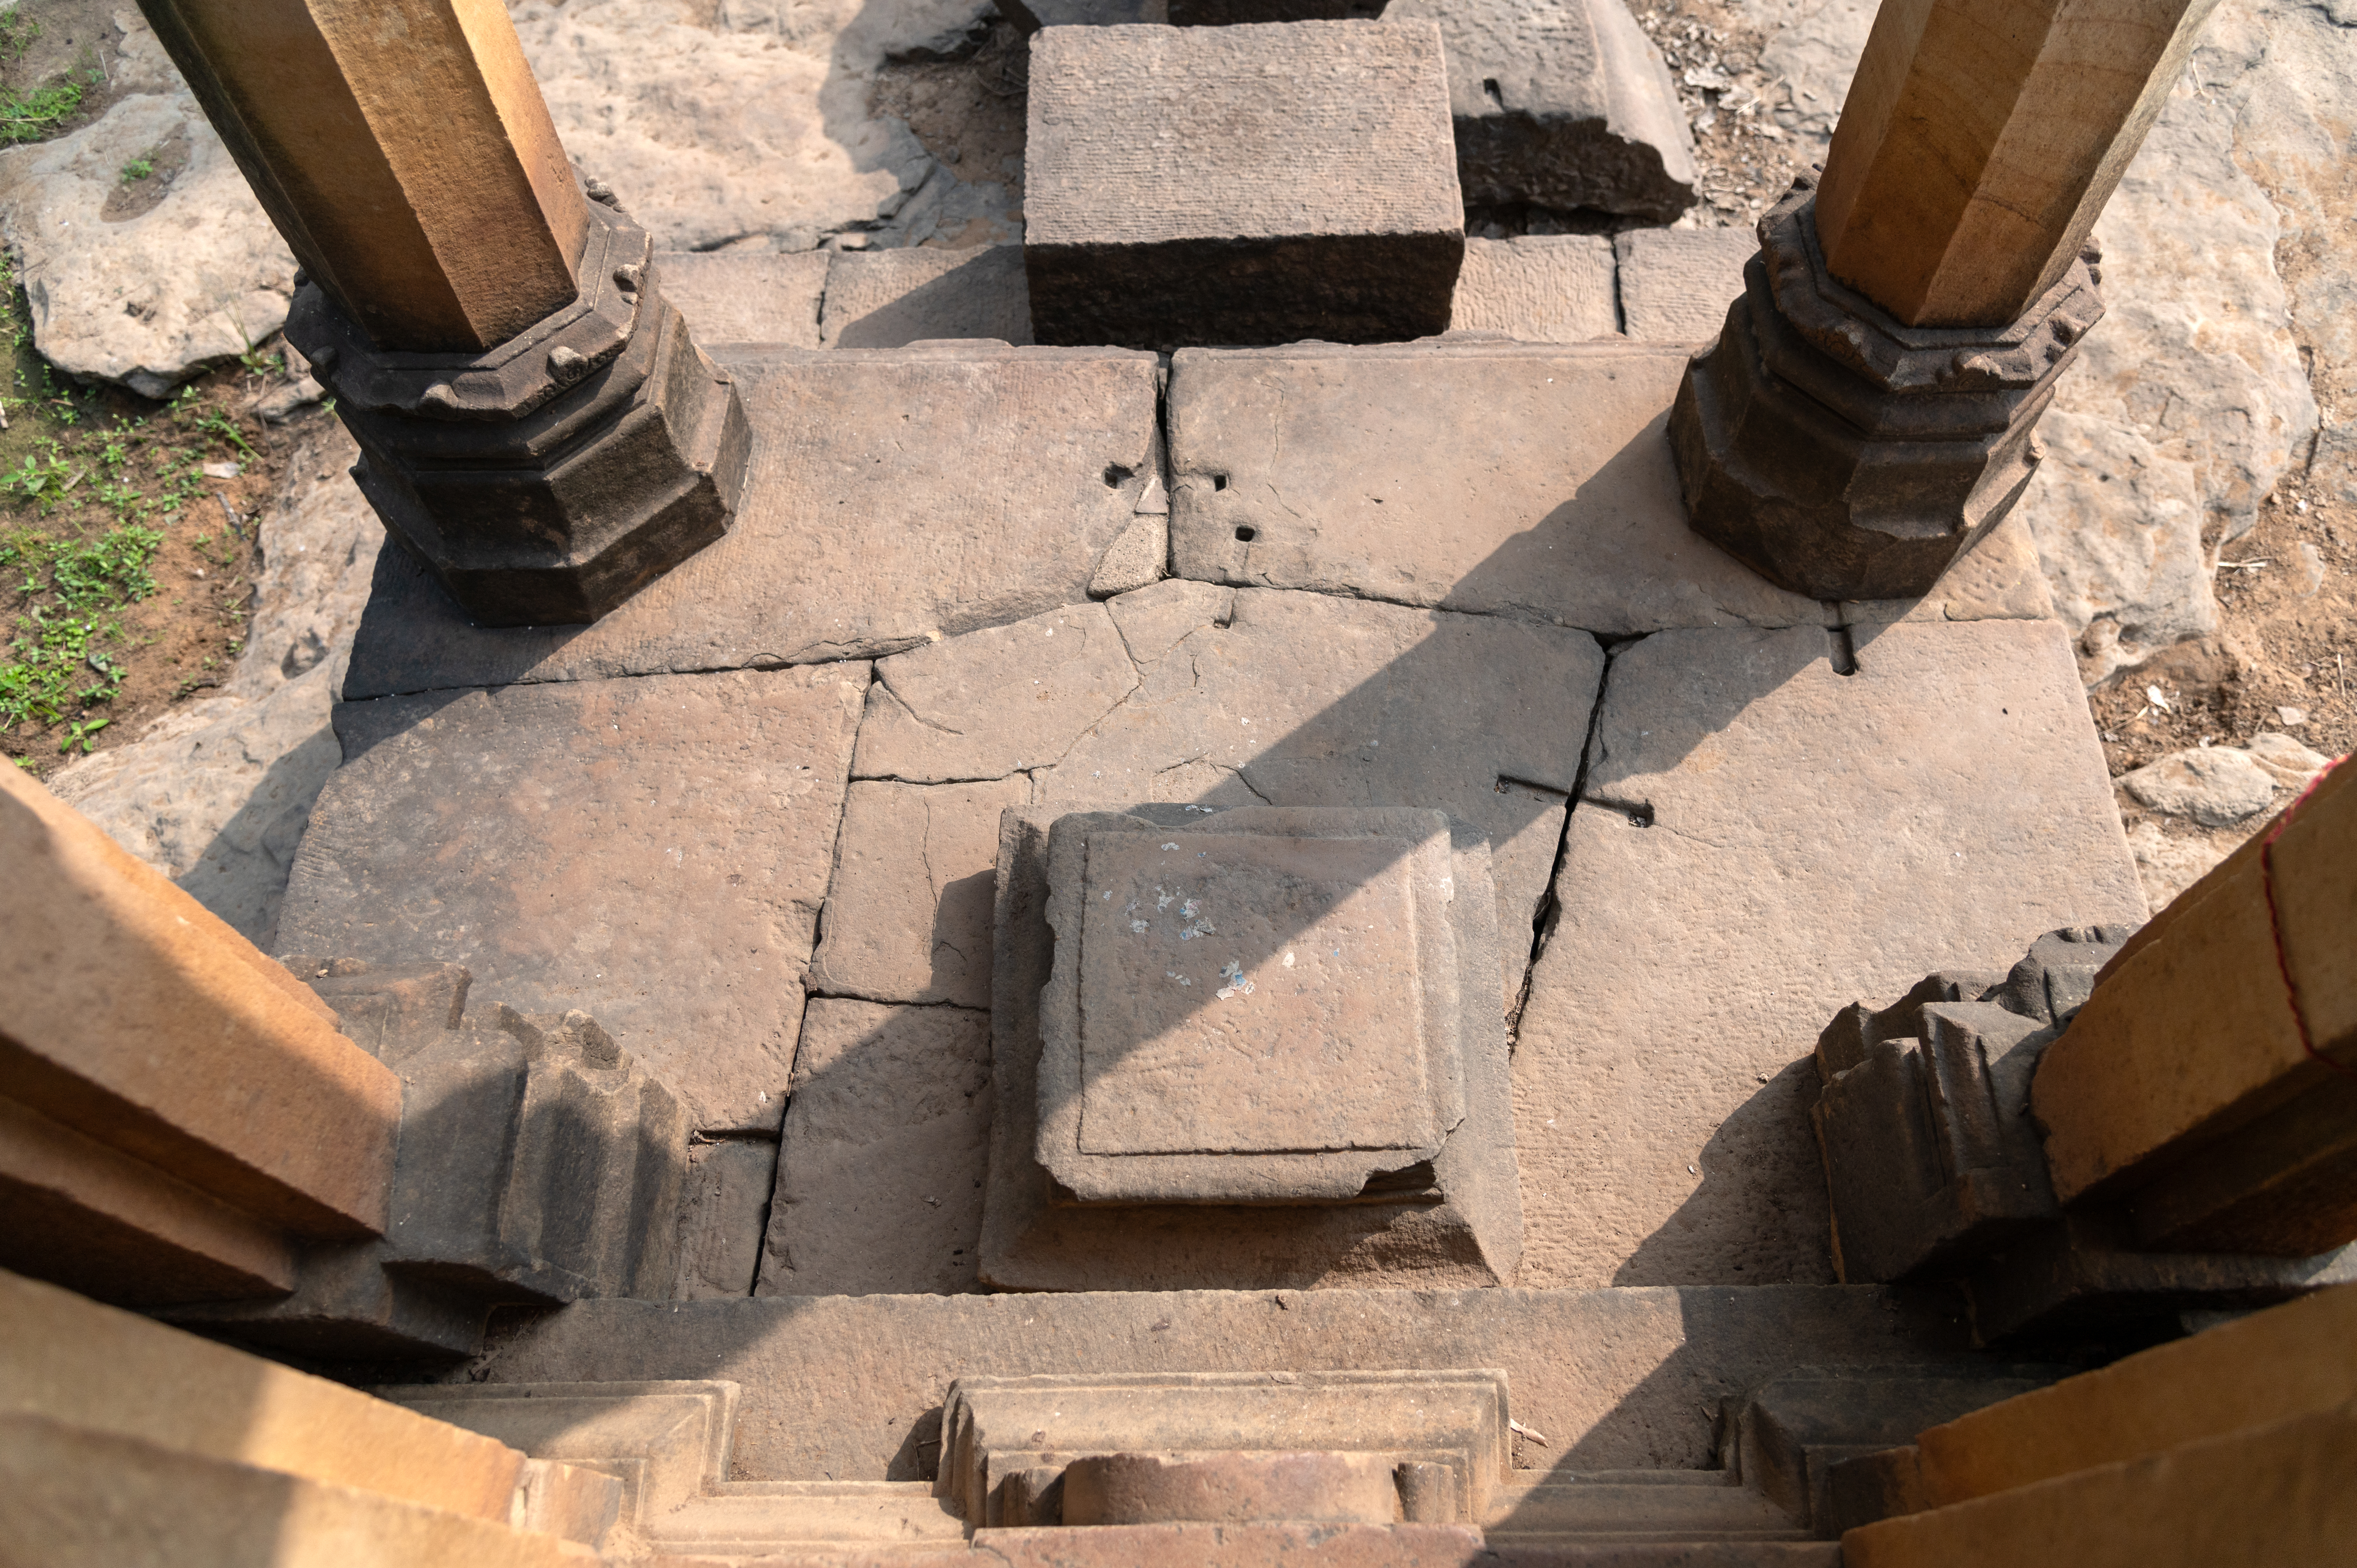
pixel 1867 411
pixel 534 420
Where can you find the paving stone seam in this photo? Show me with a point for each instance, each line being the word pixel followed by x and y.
pixel 1543 922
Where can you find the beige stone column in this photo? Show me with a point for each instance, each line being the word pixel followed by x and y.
pixel 1980 141
pixel 402 148
pixel 1867 413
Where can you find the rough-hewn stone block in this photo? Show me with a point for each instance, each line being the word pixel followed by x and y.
pixel 1790 839
pixel 1240 185
pixel 1550 288
pixel 1676 283
pixel 723 1213
pixel 886 299
pixel 1563 103
pixel 893 497
pixel 880 1176
pixel 907 915
pixel 746 297
pixel 655 851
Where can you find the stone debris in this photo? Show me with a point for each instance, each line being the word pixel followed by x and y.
pixel 1676 283
pixel 655 851
pixel 886 299
pixel 1554 288
pixel 1563 103
pixel 907 912
pixel 2292 766
pixel 152 297
pixel 879 1183
pixel 2215 785
pixel 1240 185
pixel 216 792
pixel 1978 818
pixel 893 497
pixel 745 296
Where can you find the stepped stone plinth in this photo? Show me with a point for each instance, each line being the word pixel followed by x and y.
pixel 1241 185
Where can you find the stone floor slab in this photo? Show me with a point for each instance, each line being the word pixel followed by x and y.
pixel 879 1177
pixel 908 914
pixel 1497 479
pixel 894 497
pixel 1240 185
pixel 1539 288
pixel 723 1213
pixel 653 851
pixel 1762 841
pixel 886 299
pixel 745 296
pixel 850 1390
pixel 1305 700
pixel 1676 283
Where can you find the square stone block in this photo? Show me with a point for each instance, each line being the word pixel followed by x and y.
pixel 1279 992
pixel 746 297
pixel 1539 288
pixel 1676 283
pixel 1303 1081
pixel 887 299
pixel 1240 185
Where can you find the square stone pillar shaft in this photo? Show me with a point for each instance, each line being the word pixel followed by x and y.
pixel 402 148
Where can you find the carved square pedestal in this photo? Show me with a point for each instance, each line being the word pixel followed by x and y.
pixel 1264 1047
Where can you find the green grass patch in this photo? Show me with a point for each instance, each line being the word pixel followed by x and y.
pixel 66 655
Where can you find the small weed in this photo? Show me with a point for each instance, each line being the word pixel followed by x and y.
pixel 29 116
pixel 140 167
pixel 79 733
pixel 18 32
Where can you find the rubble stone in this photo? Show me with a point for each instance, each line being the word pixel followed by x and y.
pixel 879 1178
pixel 2292 766
pixel 653 851
pixel 1294 469
pixel 745 296
pixel 1676 283
pixel 2214 785
pixel 1240 185
pixel 907 915
pixel 885 299
pixel 1552 288
pixel 215 794
pixel 147 300
pixel 893 497
pixel 1564 104
pixel 1805 839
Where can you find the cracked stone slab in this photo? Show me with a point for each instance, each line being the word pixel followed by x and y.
pixel 1676 283
pixel 995 702
pixel 880 1174
pixel 653 851
pixel 1537 288
pixel 724 1208
pixel 1305 700
pixel 1492 478
pixel 746 297
pixel 894 497
pixel 908 914
pixel 1816 839
pixel 885 299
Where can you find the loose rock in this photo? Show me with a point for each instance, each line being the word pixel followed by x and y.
pixel 2216 786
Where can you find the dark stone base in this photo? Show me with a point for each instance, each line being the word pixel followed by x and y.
pixel 1843 456
pixel 1354 288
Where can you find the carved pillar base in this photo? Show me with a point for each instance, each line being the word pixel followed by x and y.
pixel 547 479
pixel 1845 455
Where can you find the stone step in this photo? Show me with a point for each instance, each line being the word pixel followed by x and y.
pixel 1631 1507
pixel 753 1518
